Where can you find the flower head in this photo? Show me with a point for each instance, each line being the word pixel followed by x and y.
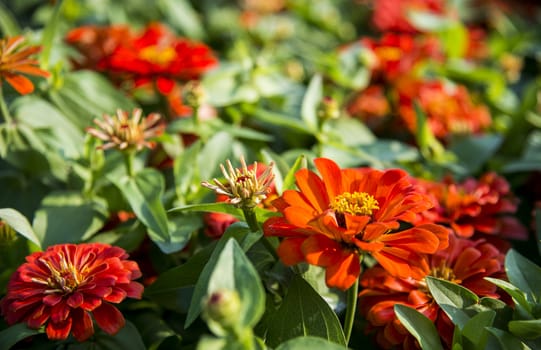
pixel 336 218
pixel 15 60
pixel 67 285
pixel 245 187
pixel 392 15
pixel 483 206
pixel 464 262
pixel 127 132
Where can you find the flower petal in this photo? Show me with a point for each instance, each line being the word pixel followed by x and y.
pixel 108 318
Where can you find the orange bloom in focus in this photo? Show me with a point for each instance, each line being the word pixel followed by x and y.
pixel 68 286
pixel 336 218
pixel 484 206
pixel 449 108
pixel 464 262
pixel 15 61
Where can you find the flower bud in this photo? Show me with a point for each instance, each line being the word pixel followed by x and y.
pixel 221 310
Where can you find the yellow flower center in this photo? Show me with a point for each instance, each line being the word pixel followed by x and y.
pixel 356 203
pixel 444 272
pixel 158 55
pixel 64 278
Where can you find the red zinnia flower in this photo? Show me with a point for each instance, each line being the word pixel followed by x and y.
pixel 68 284
pixel 333 219
pixel 448 107
pixel 464 262
pixel 158 55
pixel 15 61
pixel 392 15
pixel 474 206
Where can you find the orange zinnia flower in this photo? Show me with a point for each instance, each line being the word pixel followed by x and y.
pixel 334 219
pixel 15 60
pixel 67 285
pixel 464 262
pixel 484 206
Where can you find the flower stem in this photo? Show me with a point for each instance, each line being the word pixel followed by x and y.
pixel 4 108
pixel 129 157
pixel 352 294
pixel 251 220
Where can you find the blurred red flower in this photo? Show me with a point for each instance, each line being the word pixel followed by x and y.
pixel 15 60
pixel 484 206
pixel 464 262
pixel 398 54
pixel 448 107
pixel 154 56
pixel 67 285
pixel 336 218
pixel 392 15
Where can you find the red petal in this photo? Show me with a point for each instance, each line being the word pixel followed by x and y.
pixel 109 318
pixel 59 330
pixel 83 328
pixel 290 251
pixel 22 84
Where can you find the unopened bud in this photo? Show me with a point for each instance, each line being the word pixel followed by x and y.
pixel 222 310
pixel 194 94
pixel 7 234
pixel 328 109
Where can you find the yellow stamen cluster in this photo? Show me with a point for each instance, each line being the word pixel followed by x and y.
pixel 244 188
pixel 64 277
pixel 444 272
pixel 356 203
pixel 158 55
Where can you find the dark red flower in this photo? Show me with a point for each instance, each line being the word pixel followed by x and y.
pixel 464 262
pixel 484 206
pixel 68 285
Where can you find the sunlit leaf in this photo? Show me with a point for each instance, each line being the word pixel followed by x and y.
pixel 422 328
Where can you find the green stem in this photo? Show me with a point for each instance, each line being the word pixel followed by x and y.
pixel 251 220
pixel 352 294
pixel 4 108
pixel 129 157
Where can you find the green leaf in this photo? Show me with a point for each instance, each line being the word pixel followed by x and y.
pixel 181 15
pixel 127 338
pixel 473 151
pixel 20 224
pixel 453 299
pixel 289 180
pixel 527 329
pixel 144 192
pixel 203 278
pixel 49 34
pixel 214 152
pixel 309 342
pixel 507 341
pixel 311 101
pixel 474 333
pixel 524 274
pixel 519 297
pixel 233 271
pixel 8 24
pixel 421 327
pixel 312 316
pixel 67 217
pixel 12 335
pixel 218 207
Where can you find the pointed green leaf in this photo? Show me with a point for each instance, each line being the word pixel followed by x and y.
pixel 20 224
pixel 453 299
pixel 309 342
pixel 312 316
pixel 527 329
pixel 12 335
pixel 420 326
pixel 289 180
pixel 474 333
pixel 233 271
pixel 218 207
pixel 519 297
pixel 311 101
pixel 214 152
pixel 8 24
pixel 524 274
pixel 144 192
pixel 507 341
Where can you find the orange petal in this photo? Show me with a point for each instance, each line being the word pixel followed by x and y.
pixel 290 251
pixel 331 175
pixel 343 274
pixel 313 188
pixel 22 84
